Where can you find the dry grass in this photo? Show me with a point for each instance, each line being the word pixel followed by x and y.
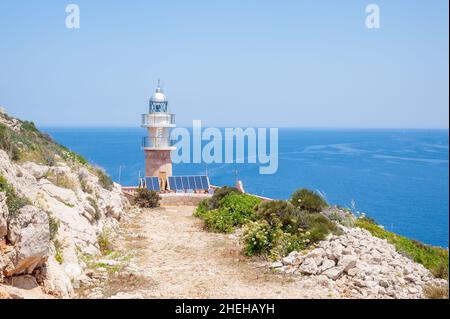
pixel 436 292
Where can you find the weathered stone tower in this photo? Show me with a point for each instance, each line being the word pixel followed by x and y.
pixel 157 145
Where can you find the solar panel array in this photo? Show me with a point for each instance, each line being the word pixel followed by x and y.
pixel 184 183
pixel 152 183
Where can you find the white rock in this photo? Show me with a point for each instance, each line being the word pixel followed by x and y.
pixel 333 273
pixel 3 215
pixel 327 264
pixel 309 266
pixel 276 264
pixel 30 234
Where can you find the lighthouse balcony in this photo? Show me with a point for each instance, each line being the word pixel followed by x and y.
pixel 158 143
pixel 158 120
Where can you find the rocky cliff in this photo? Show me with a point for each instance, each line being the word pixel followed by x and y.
pixel 53 208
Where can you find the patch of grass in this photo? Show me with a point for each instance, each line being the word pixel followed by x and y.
pixel 436 292
pixel 103 179
pixel 14 201
pixel 93 202
pixel 60 180
pixel 58 251
pixel 435 259
pixel 104 242
pixel 53 224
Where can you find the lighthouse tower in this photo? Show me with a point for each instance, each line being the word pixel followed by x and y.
pixel 157 145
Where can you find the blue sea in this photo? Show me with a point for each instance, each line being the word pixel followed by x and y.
pixel 398 177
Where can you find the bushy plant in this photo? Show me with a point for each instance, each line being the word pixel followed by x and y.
pixel 14 201
pixel 241 206
pixel 202 208
pixel 316 226
pixel 262 238
pixel 147 198
pixel 308 200
pixel 278 213
pixel 219 194
pixel 234 210
pixel 219 220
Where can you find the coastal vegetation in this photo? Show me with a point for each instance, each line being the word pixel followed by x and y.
pixel 147 198
pixel 435 259
pixel 273 228
pixel 23 142
pixel 14 201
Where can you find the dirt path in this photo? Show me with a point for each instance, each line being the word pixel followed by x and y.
pixel 179 259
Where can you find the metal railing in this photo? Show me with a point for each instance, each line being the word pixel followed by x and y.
pixel 158 119
pixel 155 142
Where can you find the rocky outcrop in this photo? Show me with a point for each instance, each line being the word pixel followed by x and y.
pixel 69 210
pixel 3 215
pixel 29 234
pixel 361 266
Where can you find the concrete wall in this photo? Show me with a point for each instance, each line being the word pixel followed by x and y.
pixel 178 199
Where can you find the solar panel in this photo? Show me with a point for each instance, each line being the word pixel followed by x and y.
pixel 152 183
pixel 205 182
pixel 185 180
pixel 172 184
pixel 155 181
pixel 198 182
pixel 149 183
pixel 191 182
pixel 178 183
pixel 183 183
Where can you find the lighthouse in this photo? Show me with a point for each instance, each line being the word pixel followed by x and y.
pixel 157 145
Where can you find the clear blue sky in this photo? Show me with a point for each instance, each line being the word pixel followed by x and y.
pixel 238 63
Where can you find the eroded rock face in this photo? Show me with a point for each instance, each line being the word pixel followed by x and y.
pixel 3 216
pixel 26 238
pixel 29 233
pixel 360 265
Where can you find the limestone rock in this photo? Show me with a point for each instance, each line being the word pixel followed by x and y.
pixel 3 216
pixel 309 266
pixel 30 234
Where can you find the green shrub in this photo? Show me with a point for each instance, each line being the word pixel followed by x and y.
pixel 234 209
pixel 258 237
pixel 308 200
pixel 241 206
pixel 436 259
pixel 278 213
pixel 13 200
pixel 219 194
pixel 202 208
pixel 147 198
pixel 104 242
pixel 219 220
pixel 316 226
pixel 262 238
